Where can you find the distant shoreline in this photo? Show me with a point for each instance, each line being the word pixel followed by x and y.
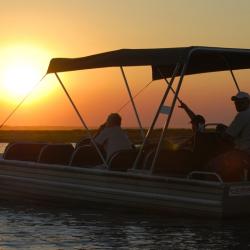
pixel 65 128
pixel 75 135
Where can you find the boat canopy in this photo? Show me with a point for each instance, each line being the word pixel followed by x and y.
pixel 162 61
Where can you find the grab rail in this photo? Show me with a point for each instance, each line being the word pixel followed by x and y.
pixel 190 175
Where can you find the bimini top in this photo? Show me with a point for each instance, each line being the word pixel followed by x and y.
pixel 162 61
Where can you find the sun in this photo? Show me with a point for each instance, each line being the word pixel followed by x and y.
pixel 22 68
pixel 20 78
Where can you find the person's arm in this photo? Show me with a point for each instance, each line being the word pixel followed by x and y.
pixel 102 137
pixel 236 126
pixel 99 130
pixel 189 112
pixel 234 130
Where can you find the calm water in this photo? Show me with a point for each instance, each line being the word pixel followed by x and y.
pixel 27 227
pixel 24 227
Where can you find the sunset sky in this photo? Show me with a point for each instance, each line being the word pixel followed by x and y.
pixel 33 32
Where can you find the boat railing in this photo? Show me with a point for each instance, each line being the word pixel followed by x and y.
pixel 192 174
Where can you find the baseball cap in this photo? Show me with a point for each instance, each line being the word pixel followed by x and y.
pixel 240 95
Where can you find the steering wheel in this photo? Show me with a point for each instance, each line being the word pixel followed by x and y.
pixel 219 127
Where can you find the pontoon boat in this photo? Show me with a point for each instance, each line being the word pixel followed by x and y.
pixel 62 174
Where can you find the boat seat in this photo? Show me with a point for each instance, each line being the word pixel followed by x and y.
pixel 56 154
pixel 23 151
pixel 231 166
pixel 85 156
pixel 122 160
pixel 178 163
pixel 209 145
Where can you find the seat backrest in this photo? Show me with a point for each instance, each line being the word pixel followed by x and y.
pixel 56 154
pixel 178 162
pixel 85 156
pixel 208 145
pixel 23 151
pixel 122 160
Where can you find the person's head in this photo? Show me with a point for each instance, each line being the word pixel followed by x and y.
pixel 241 101
pixel 198 123
pixel 113 119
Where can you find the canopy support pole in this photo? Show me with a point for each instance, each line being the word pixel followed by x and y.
pixel 232 73
pixel 164 131
pixel 20 103
pixel 168 83
pixel 82 121
pixel 235 81
pixel 133 103
pixel 156 116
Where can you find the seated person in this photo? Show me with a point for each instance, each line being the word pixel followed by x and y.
pixel 239 129
pixel 198 126
pixel 237 135
pixel 234 164
pixel 181 159
pixel 197 121
pixel 207 144
pixel 111 136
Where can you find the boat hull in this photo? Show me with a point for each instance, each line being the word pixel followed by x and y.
pixel 73 186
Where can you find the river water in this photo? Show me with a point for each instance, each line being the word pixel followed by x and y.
pixel 28 227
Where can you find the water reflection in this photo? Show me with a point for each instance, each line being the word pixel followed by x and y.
pixel 24 227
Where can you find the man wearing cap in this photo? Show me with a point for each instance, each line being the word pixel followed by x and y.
pixel 239 129
pixel 233 165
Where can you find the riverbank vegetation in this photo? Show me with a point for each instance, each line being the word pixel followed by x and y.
pixel 75 135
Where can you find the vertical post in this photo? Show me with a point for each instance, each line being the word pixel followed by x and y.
pixel 82 121
pixel 156 115
pixel 133 103
pixel 163 134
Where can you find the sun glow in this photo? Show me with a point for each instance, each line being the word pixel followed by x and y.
pixel 20 78
pixel 22 67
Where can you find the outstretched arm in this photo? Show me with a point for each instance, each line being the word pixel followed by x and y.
pixel 189 112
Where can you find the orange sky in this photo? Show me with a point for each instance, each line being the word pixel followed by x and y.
pixel 36 31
